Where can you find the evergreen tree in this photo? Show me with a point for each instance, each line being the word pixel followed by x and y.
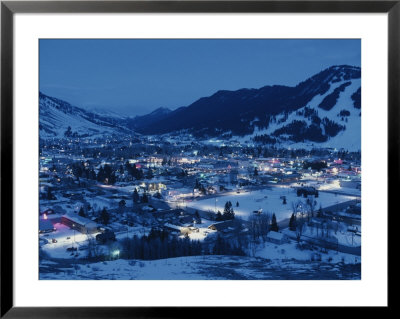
pixel 255 171
pixel 68 132
pixel 105 216
pixel 135 196
pixel 149 174
pixel 145 198
pixel 92 174
pixel 82 212
pixel 112 179
pixel 219 216
pixel 50 195
pixel 134 171
pixel 292 223
pixel 228 211
pixel 158 195
pixel 101 175
pixel 108 172
pixel 121 205
pixel 197 217
pixel 274 224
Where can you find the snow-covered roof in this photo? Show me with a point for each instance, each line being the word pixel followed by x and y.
pixel 275 235
pixel 78 219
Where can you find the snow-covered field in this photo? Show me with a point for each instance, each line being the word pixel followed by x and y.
pixel 289 251
pixel 66 238
pixel 268 199
pixel 202 268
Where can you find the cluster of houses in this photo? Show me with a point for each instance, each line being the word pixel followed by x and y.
pixel 170 181
pixel 49 218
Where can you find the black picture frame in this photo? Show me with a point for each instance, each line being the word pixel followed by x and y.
pixel 9 8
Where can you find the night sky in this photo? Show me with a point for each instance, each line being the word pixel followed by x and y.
pixel 135 77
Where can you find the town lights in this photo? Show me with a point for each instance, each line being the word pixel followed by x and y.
pixel 115 253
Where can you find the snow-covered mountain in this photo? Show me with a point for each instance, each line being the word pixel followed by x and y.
pixel 324 110
pixel 332 119
pixel 60 119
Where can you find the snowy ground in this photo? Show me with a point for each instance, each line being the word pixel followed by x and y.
pixel 289 251
pixel 201 268
pixel 267 199
pixel 66 237
pixel 335 187
pixel 100 202
pixel 127 231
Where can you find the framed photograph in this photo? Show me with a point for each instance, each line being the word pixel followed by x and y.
pixel 158 155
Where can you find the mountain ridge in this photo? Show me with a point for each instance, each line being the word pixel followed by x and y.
pixel 240 107
pixel 316 110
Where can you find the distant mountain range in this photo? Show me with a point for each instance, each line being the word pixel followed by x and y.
pixel 58 119
pixel 139 123
pixel 324 109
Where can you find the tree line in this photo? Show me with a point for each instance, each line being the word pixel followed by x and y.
pixel 158 244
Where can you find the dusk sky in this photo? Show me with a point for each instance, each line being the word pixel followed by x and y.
pixel 134 77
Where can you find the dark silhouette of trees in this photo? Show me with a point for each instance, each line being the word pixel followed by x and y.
pixel 274 224
pixel 135 196
pixel 292 223
pixel 145 198
pixel 106 175
pixel 104 216
pixel 315 165
pixel 223 247
pixel 82 212
pixel 259 225
pixel 330 100
pixel 68 132
pixel 218 216
pixel 50 195
pixel 255 171
pixel 149 174
pixel 134 171
pixel 158 245
pixel 356 97
pixel 228 211
pixel 121 205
